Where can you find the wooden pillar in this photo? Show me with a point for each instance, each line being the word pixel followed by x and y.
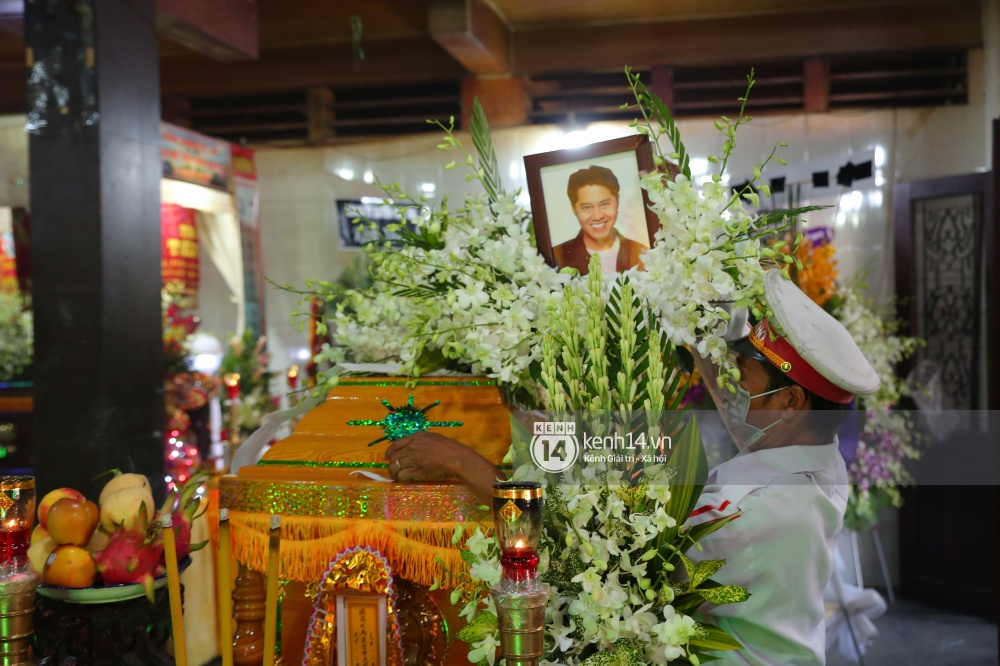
pixel 94 115
pixel 248 611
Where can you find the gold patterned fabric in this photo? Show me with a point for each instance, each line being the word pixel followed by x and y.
pixel 413 530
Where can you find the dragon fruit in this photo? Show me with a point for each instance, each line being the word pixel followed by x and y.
pixel 182 507
pixel 131 556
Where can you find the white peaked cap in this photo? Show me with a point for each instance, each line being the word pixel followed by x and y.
pixel 810 346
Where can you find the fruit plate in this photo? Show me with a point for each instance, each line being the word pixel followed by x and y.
pixel 105 594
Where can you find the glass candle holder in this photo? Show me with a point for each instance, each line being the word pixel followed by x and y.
pixel 517 517
pixel 17 516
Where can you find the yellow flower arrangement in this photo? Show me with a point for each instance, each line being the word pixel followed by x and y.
pixel 818 275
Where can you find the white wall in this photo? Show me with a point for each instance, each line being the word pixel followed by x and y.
pixel 299 187
pixel 13 162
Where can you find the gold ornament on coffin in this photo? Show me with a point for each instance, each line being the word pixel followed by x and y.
pixel 361 576
pixel 416 626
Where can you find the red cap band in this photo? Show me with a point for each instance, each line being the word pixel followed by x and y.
pixel 784 357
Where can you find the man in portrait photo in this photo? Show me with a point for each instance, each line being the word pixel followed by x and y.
pixel 593 193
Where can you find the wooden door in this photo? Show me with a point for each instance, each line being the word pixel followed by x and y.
pixel 946 279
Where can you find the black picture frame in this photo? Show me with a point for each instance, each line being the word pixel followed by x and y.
pixel 628 157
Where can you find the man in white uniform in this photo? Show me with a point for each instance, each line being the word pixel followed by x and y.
pixel 799 370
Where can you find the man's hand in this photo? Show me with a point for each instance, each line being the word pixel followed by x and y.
pixel 429 456
pixel 425 456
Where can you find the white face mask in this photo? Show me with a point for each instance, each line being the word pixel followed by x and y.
pixel 735 408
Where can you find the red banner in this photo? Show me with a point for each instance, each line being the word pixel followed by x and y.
pixel 179 251
pixel 243 162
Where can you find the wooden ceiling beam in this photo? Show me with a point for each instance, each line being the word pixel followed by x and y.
pixel 223 30
pixel 749 39
pixel 409 60
pixel 474 35
pixel 504 100
pixel 816 75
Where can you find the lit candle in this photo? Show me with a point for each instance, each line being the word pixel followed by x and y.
pixel 17 516
pixel 174 589
pixel 225 591
pixel 517 516
pixel 232 382
pixel 271 598
pixel 293 377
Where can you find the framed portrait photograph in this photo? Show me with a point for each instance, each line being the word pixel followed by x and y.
pixel 588 200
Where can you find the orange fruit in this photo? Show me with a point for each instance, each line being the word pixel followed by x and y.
pixel 70 566
pixel 73 521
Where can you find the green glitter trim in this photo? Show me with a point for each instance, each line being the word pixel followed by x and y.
pixel 317 463
pixel 420 382
pixel 337 463
pixel 404 421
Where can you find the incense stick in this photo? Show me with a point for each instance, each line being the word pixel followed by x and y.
pixel 174 589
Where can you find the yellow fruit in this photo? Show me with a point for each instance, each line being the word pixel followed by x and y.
pixel 69 566
pixel 121 482
pixel 98 542
pixel 125 508
pixel 38 534
pixel 39 551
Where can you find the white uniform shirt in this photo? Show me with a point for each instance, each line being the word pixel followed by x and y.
pixel 781 549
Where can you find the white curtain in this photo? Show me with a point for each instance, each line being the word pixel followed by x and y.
pixel 218 234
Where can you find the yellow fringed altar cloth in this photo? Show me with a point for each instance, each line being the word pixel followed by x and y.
pixel 311 479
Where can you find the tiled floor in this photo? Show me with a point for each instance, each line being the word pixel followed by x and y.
pixel 913 634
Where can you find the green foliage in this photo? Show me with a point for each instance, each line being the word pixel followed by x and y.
pixel 724 594
pixel 713 638
pixel 484 625
pixel 482 140
pixel 356 49
pixel 621 360
pixel 690 471
pixel 862 508
pixel 625 652
pixel 653 109
pixel 561 572
pixel 16 335
pixel 705 570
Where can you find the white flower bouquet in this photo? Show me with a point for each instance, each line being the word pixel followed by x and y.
pixel 467 290
pixel 888 440
pixel 622 590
